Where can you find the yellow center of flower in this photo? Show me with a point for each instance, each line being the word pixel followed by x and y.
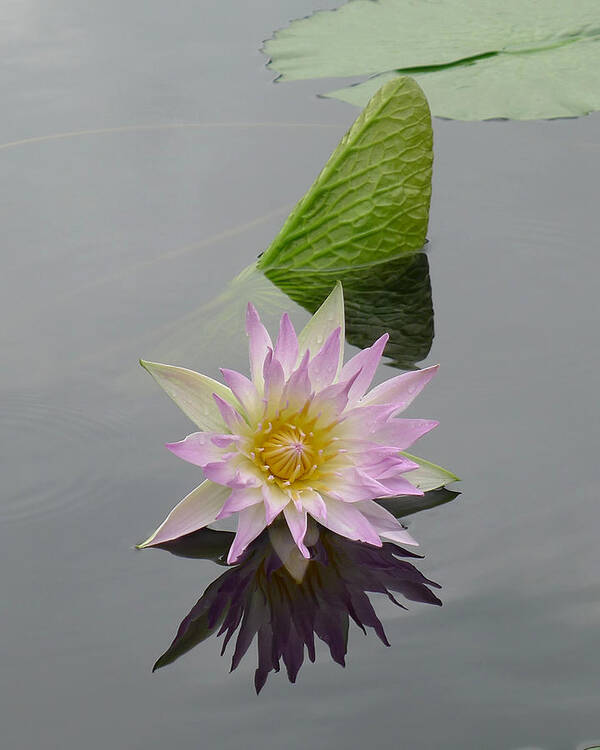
pixel 289 453
pixel 291 449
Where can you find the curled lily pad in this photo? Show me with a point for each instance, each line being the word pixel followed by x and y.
pixel 371 199
pixel 474 59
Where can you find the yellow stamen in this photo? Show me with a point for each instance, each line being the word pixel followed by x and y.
pixel 292 447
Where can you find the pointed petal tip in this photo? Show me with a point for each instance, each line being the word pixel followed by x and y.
pixel 147 543
pixel 149 366
pixel 338 291
pixel 431 370
pixel 251 314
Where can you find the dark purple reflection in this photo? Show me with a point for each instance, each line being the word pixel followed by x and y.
pixel 284 600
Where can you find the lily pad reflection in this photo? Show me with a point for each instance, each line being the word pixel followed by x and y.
pixel 392 296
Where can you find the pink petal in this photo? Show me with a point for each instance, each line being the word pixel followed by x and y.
pixel 403 432
pixel 359 448
pixel 402 389
pixel 199 448
pixel 400 485
pixel 346 520
pixel 259 344
pixel 314 504
pixel 274 379
pixel 286 348
pixel 329 403
pixel 240 499
pixel 237 472
pixel 379 461
pixel 365 363
pixel 323 366
pixel 361 421
pixel 388 466
pixel 296 521
pixel 275 500
pixel 195 511
pixel 250 524
pixel 232 418
pixel 355 485
pixel 297 389
pixel 245 392
pixel 221 472
pixel 384 523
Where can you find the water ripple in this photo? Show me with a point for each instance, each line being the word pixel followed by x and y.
pixel 57 455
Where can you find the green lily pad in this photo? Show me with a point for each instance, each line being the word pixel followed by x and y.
pixel 371 200
pixel 474 59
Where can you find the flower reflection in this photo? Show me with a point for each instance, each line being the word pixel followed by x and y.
pixel 285 600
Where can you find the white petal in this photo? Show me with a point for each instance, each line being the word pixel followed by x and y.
pixel 193 393
pixel 314 504
pixel 322 324
pixel 429 476
pixel 195 511
pixel 275 500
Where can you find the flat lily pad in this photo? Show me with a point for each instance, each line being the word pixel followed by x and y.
pixel 474 59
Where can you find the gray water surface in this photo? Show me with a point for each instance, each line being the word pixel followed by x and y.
pixel 114 243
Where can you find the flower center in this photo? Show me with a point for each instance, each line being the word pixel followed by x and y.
pixel 289 453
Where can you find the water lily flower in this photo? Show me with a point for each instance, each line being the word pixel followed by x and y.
pixel 302 437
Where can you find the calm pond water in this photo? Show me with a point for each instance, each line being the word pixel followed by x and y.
pixel 114 244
